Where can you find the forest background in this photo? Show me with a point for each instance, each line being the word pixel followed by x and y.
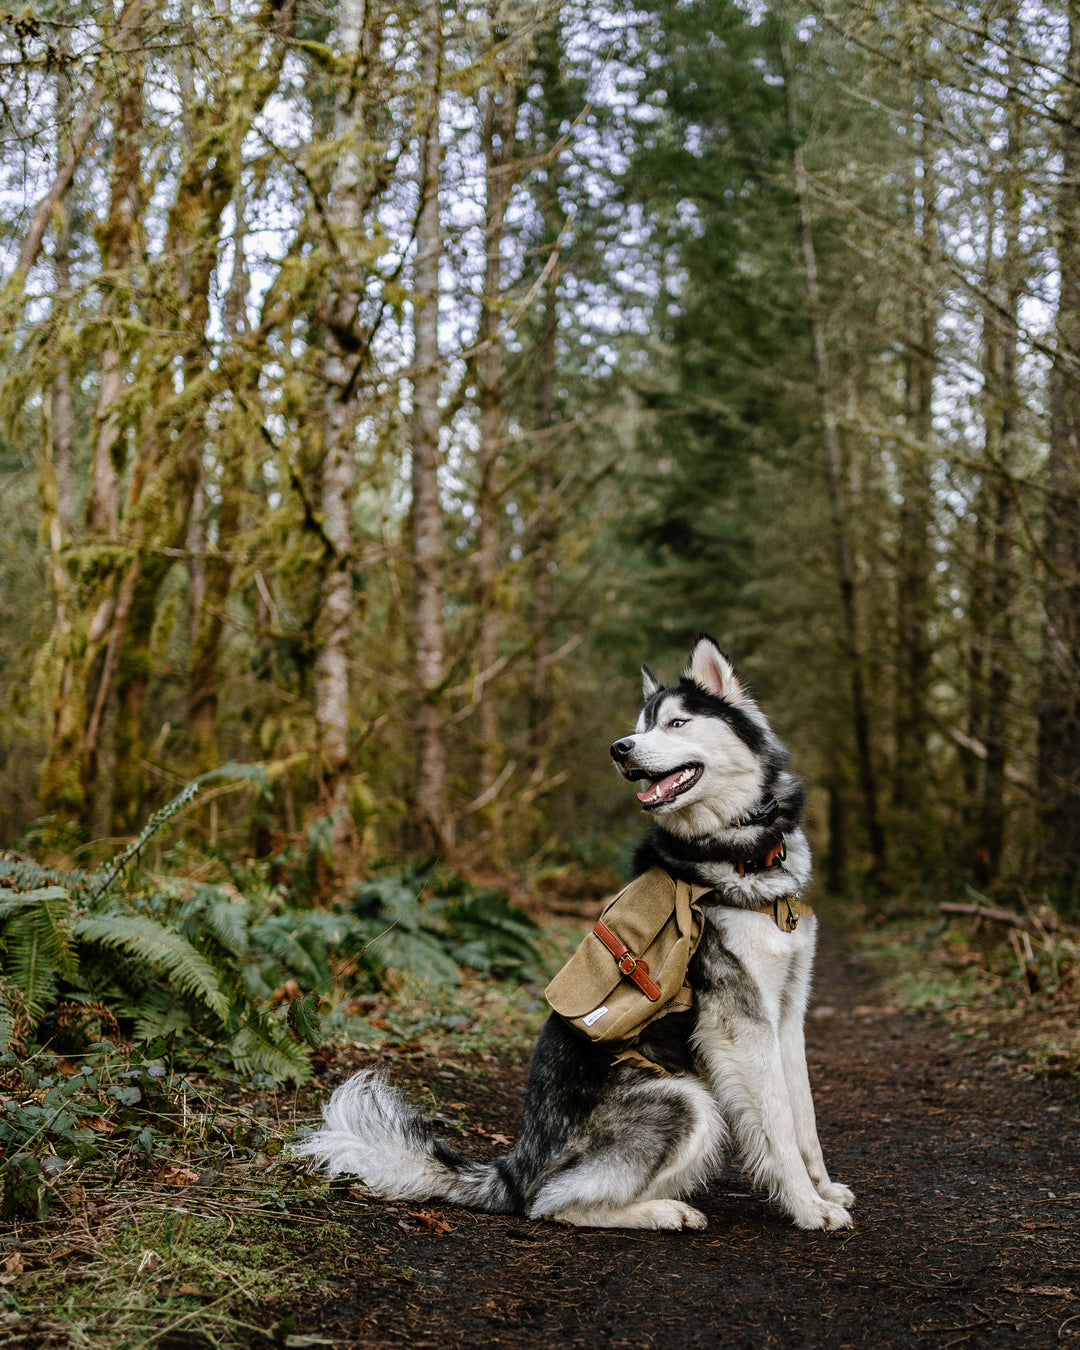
pixel 382 383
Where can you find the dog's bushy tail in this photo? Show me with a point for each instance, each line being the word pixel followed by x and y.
pixel 369 1129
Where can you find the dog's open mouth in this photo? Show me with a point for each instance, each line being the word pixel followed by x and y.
pixel 667 787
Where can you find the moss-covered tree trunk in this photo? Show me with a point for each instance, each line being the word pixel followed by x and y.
pixel 499 141
pixel 92 573
pixel 432 825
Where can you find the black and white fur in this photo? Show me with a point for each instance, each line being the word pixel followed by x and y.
pixel 611 1145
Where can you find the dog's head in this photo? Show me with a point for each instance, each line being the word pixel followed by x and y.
pixel 702 746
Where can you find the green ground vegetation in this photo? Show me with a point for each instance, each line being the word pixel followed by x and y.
pixel 143 1202
pixel 1008 970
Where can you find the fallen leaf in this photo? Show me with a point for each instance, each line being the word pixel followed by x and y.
pixel 289 992
pixel 148 1263
pixel 430 1221
pixel 175 1175
pixel 13 1264
pixel 495 1138
pixel 188 1289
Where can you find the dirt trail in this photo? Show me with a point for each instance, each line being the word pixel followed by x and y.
pixel 968 1220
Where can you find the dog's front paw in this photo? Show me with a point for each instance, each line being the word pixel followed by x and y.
pixel 675 1214
pixel 837 1194
pixel 691 1217
pixel 825 1215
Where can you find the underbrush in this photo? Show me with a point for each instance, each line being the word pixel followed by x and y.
pixel 150 1018
pixel 149 1205
pixel 232 962
pixel 1015 972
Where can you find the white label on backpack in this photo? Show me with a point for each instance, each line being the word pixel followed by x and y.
pixel 594 1016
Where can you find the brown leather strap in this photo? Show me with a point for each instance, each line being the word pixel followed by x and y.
pixel 785 912
pixel 628 964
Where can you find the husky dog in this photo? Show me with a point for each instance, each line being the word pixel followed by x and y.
pixel 619 1145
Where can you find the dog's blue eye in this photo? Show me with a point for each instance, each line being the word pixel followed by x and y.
pixel 678 721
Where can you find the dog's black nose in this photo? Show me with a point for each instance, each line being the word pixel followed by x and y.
pixel 621 749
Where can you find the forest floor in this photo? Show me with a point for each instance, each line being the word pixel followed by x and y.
pixel 966 1170
pixel 967 1233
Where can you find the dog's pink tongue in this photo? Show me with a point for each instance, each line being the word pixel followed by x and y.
pixel 658 792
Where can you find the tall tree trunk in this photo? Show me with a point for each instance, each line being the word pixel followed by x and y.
pixel 915 559
pixel 211 575
pixel 57 468
pixel 1002 417
pixel 1059 694
pixel 333 626
pixel 166 470
pixel 433 824
pixel 84 656
pixel 834 477
pixel 541 702
pixel 499 146
pixel 979 618
pixel 123 35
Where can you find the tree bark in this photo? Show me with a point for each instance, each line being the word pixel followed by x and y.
pixel 432 822
pixel 541 702
pixel 57 466
pixel 1001 416
pixel 499 147
pixel 914 564
pixel 212 574
pixel 165 471
pixel 845 569
pixel 1059 694
pixel 126 29
pixel 85 665
pixel 333 626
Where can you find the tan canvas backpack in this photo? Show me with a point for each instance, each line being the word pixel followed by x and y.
pixel 631 969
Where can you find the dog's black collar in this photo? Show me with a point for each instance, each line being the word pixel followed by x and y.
pixel 764 815
pixel 767 852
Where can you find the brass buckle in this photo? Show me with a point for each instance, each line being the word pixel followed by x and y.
pixel 628 969
pixel 787 913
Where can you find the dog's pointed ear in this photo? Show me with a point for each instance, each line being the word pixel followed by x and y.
pixel 710 670
pixel 649 683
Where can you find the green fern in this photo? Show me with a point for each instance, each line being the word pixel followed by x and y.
pixel 42 896
pixel 429 923
pixel 7 1025
pixel 490 936
pixel 264 1046
pixel 229 921
pixel 159 1014
pixel 280 936
pixel 36 928
pixel 161 947
pixel 415 952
